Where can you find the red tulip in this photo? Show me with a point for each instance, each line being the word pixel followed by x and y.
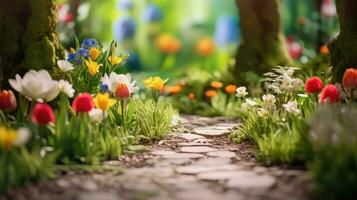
pixel 7 100
pixel 313 85
pixel 349 80
pixel 42 114
pixel 330 94
pixel 83 103
pixel 122 91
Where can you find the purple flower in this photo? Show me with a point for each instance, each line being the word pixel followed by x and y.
pixel 124 28
pixel 125 4
pixel 226 30
pixel 152 13
pixel 105 88
pixel 89 42
pixel 83 52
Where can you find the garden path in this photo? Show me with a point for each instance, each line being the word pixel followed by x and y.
pixel 194 162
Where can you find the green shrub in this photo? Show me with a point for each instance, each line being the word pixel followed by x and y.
pixel 153 119
pixel 334 138
pixel 20 166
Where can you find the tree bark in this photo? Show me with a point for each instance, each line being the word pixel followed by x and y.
pixel 262 43
pixel 27 36
pixel 343 49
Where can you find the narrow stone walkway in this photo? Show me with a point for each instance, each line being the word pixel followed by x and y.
pixel 195 162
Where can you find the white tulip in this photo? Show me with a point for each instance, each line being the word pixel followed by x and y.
pixel 291 107
pixel 66 88
pixel 115 79
pixel 241 92
pixel 36 85
pixel 23 135
pixel 64 65
pixel 97 115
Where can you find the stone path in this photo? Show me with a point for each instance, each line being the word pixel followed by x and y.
pixel 195 162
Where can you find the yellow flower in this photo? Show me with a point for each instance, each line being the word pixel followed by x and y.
pixel 156 83
pixel 94 53
pixel 93 67
pixel 115 60
pixel 71 50
pixel 103 102
pixel 7 138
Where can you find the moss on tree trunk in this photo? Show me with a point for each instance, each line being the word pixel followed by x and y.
pixel 344 48
pixel 262 43
pixel 27 36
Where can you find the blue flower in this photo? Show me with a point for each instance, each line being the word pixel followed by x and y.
pixel 83 52
pixel 133 63
pixel 105 88
pixel 88 43
pixel 125 4
pixel 152 13
pixel 226 30
pixel 71 57
pixel 124 28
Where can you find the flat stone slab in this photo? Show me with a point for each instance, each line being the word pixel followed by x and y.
pixel 254 182
pixel 227 125
pixel 196 169
pixel 222 154
pixel 184 155
pixel 187 144
pixel 211 131
pixel 162 153
pixel 223 175
pixel 213 161
pixel 190 136
pixel 197 149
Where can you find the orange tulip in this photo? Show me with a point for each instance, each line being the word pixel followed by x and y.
pixel 216 84
pixel 175 89
pixel 205 47
pixel 349 80
pixel 191 96
pixel 210 93
pixel 230 89
pixel 168 44
pixel 324 49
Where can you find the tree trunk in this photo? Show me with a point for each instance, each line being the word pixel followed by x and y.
pixel 344 48
pixel 262 43
pixel 27 36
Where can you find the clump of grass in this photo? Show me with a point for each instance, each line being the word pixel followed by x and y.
pixel 154 119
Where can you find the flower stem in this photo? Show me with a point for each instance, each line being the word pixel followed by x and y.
pixel 123 108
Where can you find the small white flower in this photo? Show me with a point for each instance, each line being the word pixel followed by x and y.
pixel 249 104
pixel 241 92
pixel 64 65
pixel 97 115
pixel 291 84
pixel 66 88
pixel 36 85
pixel 291 107
pixel 269 101
pixel 269 98
pixel 23 135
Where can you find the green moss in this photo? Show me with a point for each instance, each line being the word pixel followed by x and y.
pixel 262 45
pixel 344 48
pixel 28 38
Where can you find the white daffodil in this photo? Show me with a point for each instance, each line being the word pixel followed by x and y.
pixel 36 85
pixel 291 107
pixel 115 79
pixel 97 115
pixel 241 92
pixel 66 88
pixel 23 136
pixel 64 65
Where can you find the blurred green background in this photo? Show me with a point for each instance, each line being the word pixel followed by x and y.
pixel 199 33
